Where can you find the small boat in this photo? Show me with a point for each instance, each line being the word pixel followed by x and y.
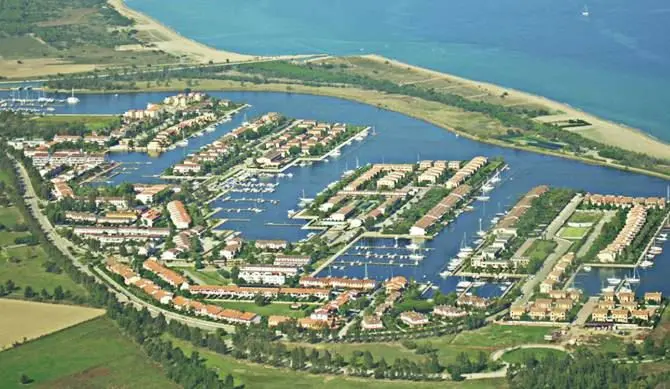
pixel 481 232
pixel 635 278
pixel 482 198
pixel 445 274
pixel 585 11
pixel 487 187
pixel 587 268
pixel 646 264
pixel 335 153
pixel 183 143
pixel 614 281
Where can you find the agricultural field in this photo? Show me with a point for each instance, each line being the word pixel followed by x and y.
pixel 265 310
pixel 573 233
pixel 25 266
pixel 257 376
pixel 29 320
pixel 92 355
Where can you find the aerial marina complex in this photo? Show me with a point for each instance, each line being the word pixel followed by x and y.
pixel 229 220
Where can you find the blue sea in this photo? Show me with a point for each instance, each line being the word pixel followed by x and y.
pixel 614 63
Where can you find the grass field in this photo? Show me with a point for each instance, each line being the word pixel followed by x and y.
pixel 208 277
pixel 585 217
pixel 520 355
pixel 10 217
pixel 265 310
pixel 257 376
pixel 573 232
pixel 29 320
pixel 540 249
pixel 91 355
pixel 92 122
pixel 500 336
pixel 24 266
pixel 487 340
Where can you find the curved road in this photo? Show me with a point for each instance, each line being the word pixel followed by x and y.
pixel 122 294
pixel 502 373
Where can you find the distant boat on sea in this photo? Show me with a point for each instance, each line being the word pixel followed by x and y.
pixel 585 11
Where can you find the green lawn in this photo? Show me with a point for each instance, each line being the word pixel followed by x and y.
pixel 91 355
pixel 7 237
pixel 573 232
pixel 521 355
pixel 540 249
pixel 10 217
pixel 209 277
pixel 23 265
pixel 499 336
pixel 585 217
pixel 92 122
pixel 487 340
pixel 265 310
pixel 258 376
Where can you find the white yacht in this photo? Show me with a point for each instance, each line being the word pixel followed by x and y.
pixel 587 268
pixel 585 11
pixel 646 264
pixel 614 281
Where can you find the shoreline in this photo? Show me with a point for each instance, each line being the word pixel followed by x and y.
pixel 601 130
pixel 320 91
pixel 606 128
pixel 170 41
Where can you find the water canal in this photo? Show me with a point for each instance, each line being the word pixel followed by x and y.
pixel 399 139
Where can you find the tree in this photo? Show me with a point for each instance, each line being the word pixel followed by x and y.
pixel 58 293
pixel 28 292
pixel 25 380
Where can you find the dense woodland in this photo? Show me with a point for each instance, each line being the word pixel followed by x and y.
pixel 585 371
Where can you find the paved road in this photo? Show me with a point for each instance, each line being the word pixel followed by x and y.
pixel 121 293
pixel 586 310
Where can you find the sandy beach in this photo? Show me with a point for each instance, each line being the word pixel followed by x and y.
pixel 600 130
pixel 170 41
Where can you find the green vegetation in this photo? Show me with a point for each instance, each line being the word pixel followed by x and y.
pixel 76 31
pixel 538 253
pixel 540 249
pixel 92 355
pixel 90 122
pixel 263 310
pixel 522 355
pixel 585 217
pixel 29 266
pixel 573 233
pixel 586 370
pixel 255 376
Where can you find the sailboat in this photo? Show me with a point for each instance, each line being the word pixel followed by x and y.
pixel 585 11
pixel 245 122
pixel 304 200
pixel 480 232
pixel 635 279
pixel 72 99
pixel 465 250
